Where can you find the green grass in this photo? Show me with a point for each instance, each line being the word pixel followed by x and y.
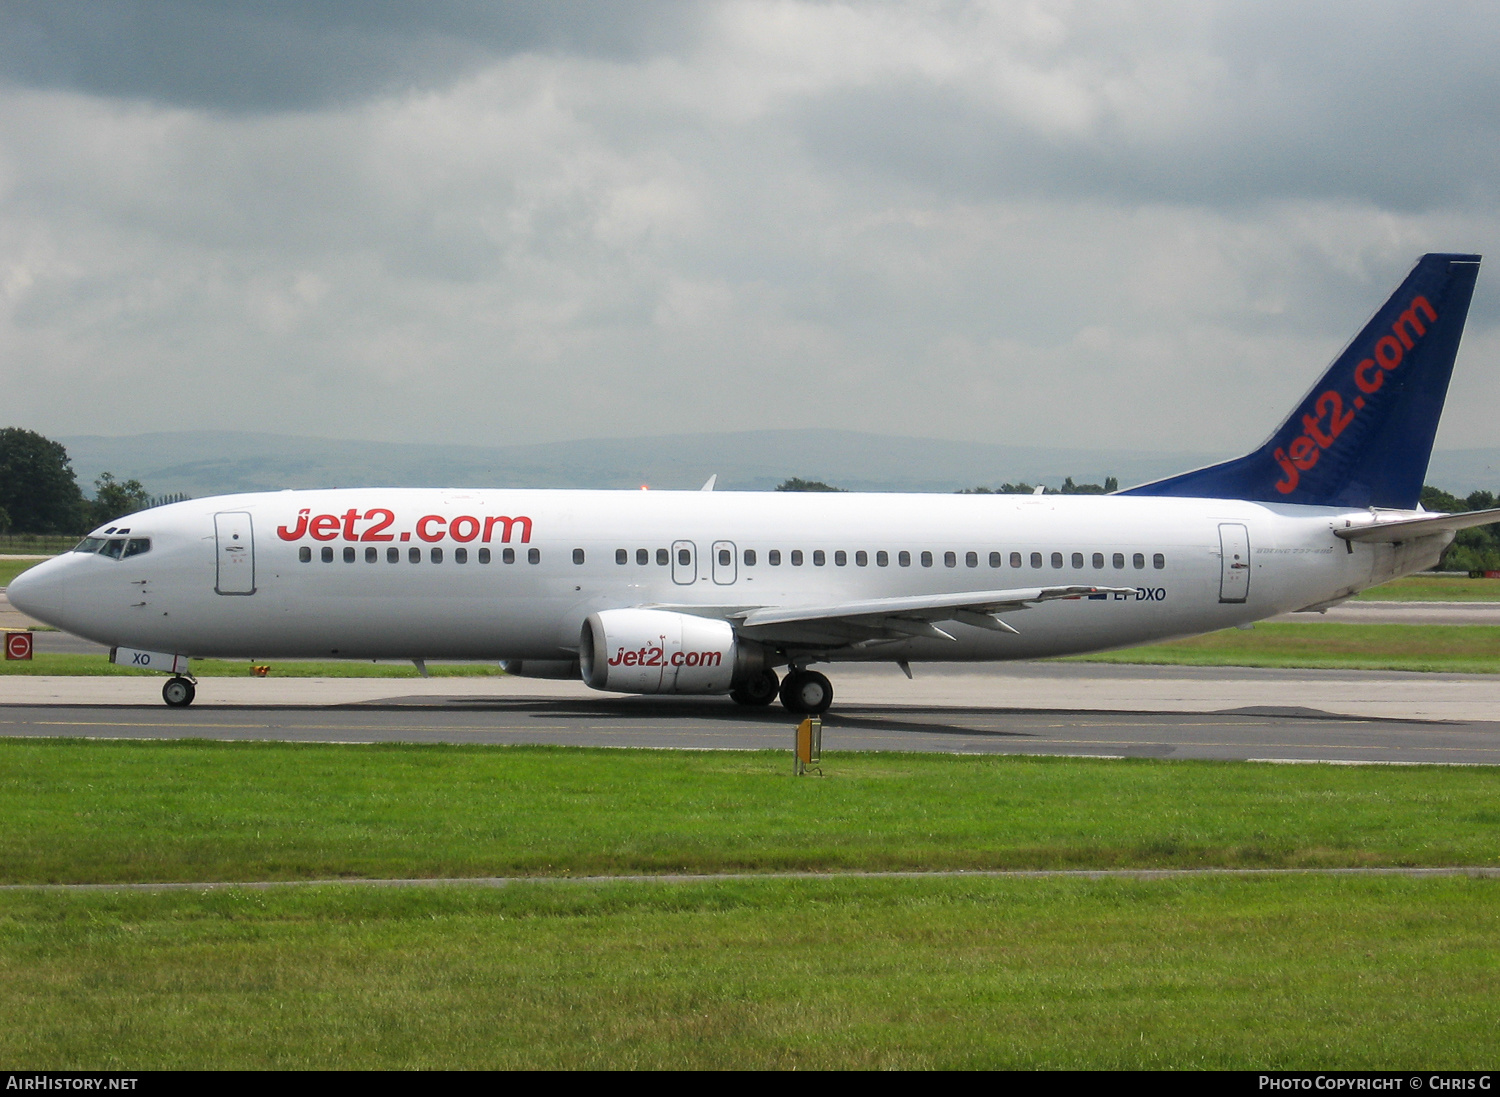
pixel 9 569
pixel 1299 973
pixel 1433 588
pixel 1467 649
pixel 97 665
pixel 121 811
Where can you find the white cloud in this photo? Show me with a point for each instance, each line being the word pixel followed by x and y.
pixel 1144 226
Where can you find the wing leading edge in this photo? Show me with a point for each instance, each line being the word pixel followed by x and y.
pixel 888 619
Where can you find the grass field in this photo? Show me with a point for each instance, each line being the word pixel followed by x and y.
pixel 121 811
pixel 1465 649
pixel 99 665
pixel 1300 973
pixel 1265 972
pixel 9 569
pixel 1433 588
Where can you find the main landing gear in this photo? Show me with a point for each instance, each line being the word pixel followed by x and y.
pixel 179 692
pixel 758 691
pixel 806 693
pixel 802 692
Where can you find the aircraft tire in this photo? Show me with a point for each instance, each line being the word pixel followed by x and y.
pixel 758 691
pixel 806 693
pixel 178 692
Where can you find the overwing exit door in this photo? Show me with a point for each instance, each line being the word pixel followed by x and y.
pixel 236 551
pixel 724 562
pixel 1234 552
pixel 684 562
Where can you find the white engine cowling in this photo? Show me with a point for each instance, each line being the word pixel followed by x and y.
pixel 657 651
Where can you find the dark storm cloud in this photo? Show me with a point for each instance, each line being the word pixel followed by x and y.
pixel 260 55
pixel 1395 106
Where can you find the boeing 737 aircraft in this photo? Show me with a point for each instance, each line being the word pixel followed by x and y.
pixel 716 592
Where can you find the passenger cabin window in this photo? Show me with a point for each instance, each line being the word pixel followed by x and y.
pixel 819 559
pixel 392 556
pixel 304 554
pixel 372 554
pixel 749 558
pixel 1118 559
pixel 508 556
pixel 578 556
pixel 971 559
pixel 622 556
pixel 882 559
pixel 841 558
pixel 437 556
pixel 460 556
pixel 414 555
pixel 903 558
pixel 484 556
pixel 725 558
pixel 663 558
pixel 642 556
pixel 861 559
pixel 796 558
pixel 1158 561
pixel 927 559
pixel 774 558
pixel 1057 560
pixel 533 556
pixel 995 560
pixel 349 555
pixel 1036 559
pixel 1139 560
pixel 684 557
pixel 327 554
pixel 1078 559
pixel 950 559
pixel 1098 560
pixel 1015 559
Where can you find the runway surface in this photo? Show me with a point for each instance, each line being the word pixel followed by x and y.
pixel 1065 709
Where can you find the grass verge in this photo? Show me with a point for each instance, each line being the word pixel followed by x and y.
pixel 99 665
pixel 1433 588
pixel 120 811
pixel 9 569
pixel 1466 649
pixel 1282 974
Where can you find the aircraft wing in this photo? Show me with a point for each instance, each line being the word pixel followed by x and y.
pixel 1407 529
pixel 888 619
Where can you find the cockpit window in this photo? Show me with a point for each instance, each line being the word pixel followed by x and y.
pixel 89 544
pixel 137 545
pixel 113 548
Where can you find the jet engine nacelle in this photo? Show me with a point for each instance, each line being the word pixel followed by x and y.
pixel 658 651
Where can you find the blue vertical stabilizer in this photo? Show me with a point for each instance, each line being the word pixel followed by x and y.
pixel 1363 435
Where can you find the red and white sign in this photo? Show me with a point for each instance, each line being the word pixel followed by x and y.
pixel 18 645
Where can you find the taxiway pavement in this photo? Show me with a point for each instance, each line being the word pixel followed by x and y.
pixel 1036 708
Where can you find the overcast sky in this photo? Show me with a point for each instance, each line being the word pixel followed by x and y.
pixel 1136 225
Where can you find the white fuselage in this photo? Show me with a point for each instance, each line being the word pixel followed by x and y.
pixel 414 585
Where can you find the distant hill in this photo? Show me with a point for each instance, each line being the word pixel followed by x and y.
pixel 203 463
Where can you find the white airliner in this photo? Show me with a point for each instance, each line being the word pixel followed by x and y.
pixel 715 592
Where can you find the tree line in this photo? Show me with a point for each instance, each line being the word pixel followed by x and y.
pixel 39 491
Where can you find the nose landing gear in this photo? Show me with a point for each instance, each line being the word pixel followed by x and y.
pixel 178 692
pixel 806 693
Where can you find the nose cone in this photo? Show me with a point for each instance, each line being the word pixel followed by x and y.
pixel 38 592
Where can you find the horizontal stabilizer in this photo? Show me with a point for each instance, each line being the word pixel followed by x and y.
pixel 1409 529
